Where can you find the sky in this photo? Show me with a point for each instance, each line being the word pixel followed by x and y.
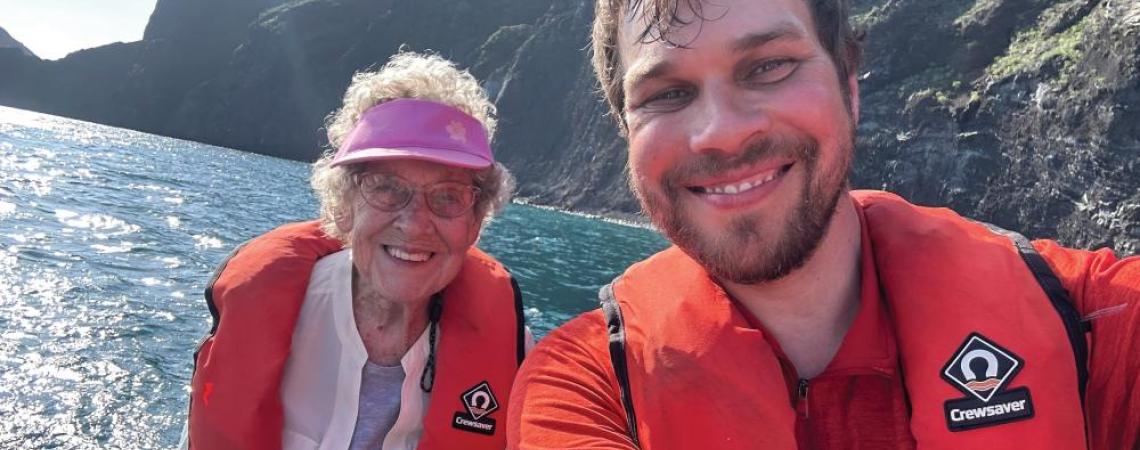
pixel 53 28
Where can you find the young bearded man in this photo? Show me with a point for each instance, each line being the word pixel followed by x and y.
pixel 793 312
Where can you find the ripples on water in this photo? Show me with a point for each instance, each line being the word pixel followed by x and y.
pixel 561 260
pixel 108 236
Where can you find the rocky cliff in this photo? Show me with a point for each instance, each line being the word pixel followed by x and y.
pixel 1024 113
pixel 8 42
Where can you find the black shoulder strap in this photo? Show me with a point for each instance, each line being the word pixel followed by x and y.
pixel 215 317
pixel 520 322
pixel 1075 328
pixel 616 329
pixel 215 314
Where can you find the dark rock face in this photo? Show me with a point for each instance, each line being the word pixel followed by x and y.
pixel 1025 113
pixel 1021 113
pixel 85 85
pixel 18 67
pixel 554 124
pixel 296 60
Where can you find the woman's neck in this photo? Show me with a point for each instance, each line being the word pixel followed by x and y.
pixel 388 327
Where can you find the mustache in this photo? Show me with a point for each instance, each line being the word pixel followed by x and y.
pixel 804 149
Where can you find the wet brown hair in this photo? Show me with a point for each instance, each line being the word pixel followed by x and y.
pixel 832 22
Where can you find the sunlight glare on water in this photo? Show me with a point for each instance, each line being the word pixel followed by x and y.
pixel 108 237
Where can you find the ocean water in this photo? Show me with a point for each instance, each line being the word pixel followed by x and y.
pixel 108 237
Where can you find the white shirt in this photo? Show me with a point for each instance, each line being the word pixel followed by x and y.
pixel 320 389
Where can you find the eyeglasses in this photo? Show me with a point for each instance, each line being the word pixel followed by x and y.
pixel 391 193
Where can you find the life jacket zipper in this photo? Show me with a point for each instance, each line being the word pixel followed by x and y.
pixel 802 402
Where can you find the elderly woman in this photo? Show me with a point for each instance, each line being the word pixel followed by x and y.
pixel 408 337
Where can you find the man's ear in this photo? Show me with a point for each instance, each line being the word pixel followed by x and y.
pixel 853 91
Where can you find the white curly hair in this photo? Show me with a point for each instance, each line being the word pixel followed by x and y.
pixel 406 75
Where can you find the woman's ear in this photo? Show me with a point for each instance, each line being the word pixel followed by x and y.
pixel 476 230
pixel 343 220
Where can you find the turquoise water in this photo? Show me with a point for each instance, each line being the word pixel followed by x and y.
pixel 108 236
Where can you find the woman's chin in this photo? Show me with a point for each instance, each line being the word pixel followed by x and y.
pixel 409 281
pixel 404 291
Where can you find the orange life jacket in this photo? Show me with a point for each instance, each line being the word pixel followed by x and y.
pixel 255 299
pixel 989 359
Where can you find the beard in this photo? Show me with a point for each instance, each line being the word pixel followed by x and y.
pixel 741 252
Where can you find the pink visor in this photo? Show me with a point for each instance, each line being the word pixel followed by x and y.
pixel 416 129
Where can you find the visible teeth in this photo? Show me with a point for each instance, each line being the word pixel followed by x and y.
pixel 744 185
pixel 406 256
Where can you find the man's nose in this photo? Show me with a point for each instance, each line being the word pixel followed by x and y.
pixel 725 121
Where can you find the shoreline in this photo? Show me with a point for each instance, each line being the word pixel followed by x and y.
pixel 634 220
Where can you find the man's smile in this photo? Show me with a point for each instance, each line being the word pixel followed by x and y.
pixel 739 188
pixel 739 183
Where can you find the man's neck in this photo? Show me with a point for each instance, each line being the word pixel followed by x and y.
pixel 809 310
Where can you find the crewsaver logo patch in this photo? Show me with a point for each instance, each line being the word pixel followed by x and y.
pixel 982 370
pixel 479 402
